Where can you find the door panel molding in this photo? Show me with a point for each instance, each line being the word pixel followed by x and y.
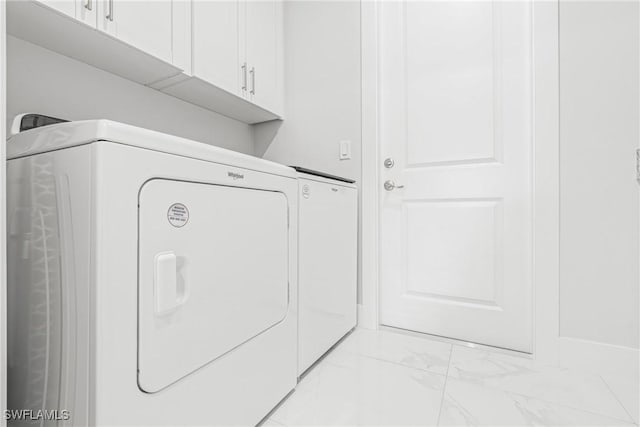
pixel 436 257
pixel 454 78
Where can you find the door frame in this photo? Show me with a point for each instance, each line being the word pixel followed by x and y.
pixel 545 169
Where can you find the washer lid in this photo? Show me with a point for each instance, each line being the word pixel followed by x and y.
pixel 300 169
pixel 71 134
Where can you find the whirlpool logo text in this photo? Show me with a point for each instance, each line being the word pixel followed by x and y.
pixel 235 175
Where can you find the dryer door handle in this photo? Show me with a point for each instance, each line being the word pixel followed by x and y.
pixel 168 295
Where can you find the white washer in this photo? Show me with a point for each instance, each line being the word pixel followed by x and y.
pixel 152 279
pixel 328 262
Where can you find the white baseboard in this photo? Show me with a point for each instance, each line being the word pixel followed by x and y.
pixel 600 358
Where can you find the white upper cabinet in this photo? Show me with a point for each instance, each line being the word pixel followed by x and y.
pixel 237 46
pixel 146 25
pixel 222 55
pixel 82 10
pixel 216 51
pixel 263 52
pixel 68 7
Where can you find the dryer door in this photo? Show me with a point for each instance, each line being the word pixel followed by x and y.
pixel 213 263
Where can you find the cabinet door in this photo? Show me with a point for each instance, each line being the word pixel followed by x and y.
pixel 216 44
pixel 68 7
pixel 146 25
pixel 264 52
pixel 82 10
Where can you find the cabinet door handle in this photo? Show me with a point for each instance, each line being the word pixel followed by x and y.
pixel 253 80
pixel 89 5
pixel 110 14
pixel 244 76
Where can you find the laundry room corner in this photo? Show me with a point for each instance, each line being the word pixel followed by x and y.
pixel 322 68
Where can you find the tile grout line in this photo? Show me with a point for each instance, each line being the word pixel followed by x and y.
pixel 393 362
pixel 615 396
pixel 358 353
pixel 444 387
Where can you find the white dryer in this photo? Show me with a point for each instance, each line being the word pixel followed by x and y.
pixel 152 279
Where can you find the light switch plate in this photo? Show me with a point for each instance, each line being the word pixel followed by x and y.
pixel 345 150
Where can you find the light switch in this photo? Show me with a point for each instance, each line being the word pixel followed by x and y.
pixel 345 150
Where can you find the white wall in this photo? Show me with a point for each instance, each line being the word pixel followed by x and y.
pixel 322 87
pixel 42 81
pixel 322 84
pixel 599 133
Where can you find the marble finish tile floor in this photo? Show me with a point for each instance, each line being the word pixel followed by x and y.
pixel 376 378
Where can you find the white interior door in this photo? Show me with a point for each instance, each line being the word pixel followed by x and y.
pixel 455 102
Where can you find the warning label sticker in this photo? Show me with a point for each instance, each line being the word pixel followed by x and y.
pixel 178 215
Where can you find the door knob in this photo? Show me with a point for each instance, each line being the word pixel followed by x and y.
pixel 389 185
pixel 388 163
